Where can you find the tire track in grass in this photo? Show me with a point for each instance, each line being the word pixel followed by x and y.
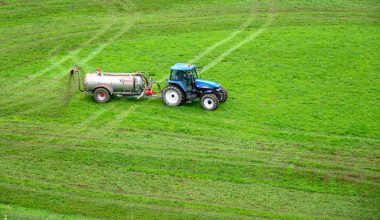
pixel 17 102
pixel 128 25
pixel 74 53
pixel 45 105
pixel 94 53
pixel 39 185
pixel 283 161
pixel 42 141
pixel 100 48
pixel 138 201
pixel 60 61
pixel 316 152
pixel 83 125
pixel 355 179
pixel 223 41
pixel 115 141
pixel 65 97
pixel 86 59
pixel 240 44
pixel 55 64
pixel 317 149
pixel 52 38
pixel 62 141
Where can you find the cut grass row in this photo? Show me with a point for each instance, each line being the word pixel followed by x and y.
pixel 62 160
pixel 329 145
pixel 119 189
pixel 266 157
pixel 121 206
pixel 278 161
pixel 17 212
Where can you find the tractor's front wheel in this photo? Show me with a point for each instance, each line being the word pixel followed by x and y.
pixel 223 95
pixel 172 96
pixel 209 102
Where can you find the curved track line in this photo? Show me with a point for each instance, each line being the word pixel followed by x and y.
pixel 7 104
pixel 109 42
pixel 73 54
pixel 52 38
pixel 57 64
pixel 240 44
pixel 223 41
pixel 84 60
pixel 22 101
pixel 82 126
pixel 39 106
pixel 100 48
pixel 63 59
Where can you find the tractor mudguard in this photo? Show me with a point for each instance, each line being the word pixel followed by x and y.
pixel 178 83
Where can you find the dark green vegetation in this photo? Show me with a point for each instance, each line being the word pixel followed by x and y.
pixel 298 139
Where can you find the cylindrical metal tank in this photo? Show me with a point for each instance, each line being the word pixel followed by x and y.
pixel 119 82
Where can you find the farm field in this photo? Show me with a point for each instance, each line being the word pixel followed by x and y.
pixel 298 138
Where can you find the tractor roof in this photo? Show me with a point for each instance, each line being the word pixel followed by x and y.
pixel 183 66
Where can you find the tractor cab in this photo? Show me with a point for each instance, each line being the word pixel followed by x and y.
pixel 184 75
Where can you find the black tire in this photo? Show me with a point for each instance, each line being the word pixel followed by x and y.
pixel 223 95
pixel 173 96
pixel 101 95
pixel 209 101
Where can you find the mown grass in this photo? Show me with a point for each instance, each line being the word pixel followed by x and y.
pixel 298 138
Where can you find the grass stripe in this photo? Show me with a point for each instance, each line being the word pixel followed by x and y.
pixel 327 171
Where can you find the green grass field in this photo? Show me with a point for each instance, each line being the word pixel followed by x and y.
pixel 299 137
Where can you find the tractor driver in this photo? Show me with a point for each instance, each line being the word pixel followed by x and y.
pixel 179 75
pixel 184 77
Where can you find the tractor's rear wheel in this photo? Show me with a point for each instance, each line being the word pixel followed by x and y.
pixel 101 95
pixel 209 102
pixel 223 95
pixel 172 96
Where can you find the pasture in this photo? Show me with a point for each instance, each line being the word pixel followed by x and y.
pixel 299 137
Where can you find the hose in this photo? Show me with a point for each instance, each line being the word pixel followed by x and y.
pixel 72 72
pixel 148 83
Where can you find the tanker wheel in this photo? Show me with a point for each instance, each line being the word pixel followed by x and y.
pixel 209 102
pixel 223 95
pixel 172 96
pixel 101 95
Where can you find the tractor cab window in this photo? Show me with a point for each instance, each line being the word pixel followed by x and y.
pixel 194 72
pixel 185 76
pixel 175 75
pixel 181 75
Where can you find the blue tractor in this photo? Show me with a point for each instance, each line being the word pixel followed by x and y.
pixel 185 85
